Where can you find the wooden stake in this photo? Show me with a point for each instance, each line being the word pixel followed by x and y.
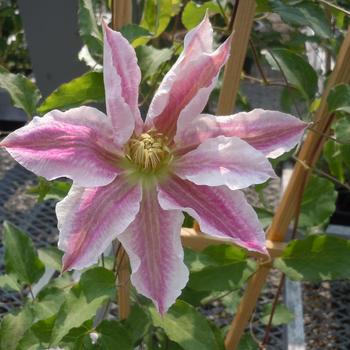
pixel 242 26
pixel 312 147
pixel 309 153
pixel 121 15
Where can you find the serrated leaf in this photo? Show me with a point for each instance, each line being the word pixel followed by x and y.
pixel 296 69
pixel 47 303
pixel 282 315
pixel 193 13
pixel 339 99
pixel 23 92
pixel 89 30
pixel 186 327
pixel 342 129
pixel 51 257
pixel 113 335
pixel 82 302
pixel 13 327
pixel 83 90
pixel 318 202
pixel 21 258
pixel 316 258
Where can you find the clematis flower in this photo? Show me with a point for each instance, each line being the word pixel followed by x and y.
pixel 132 179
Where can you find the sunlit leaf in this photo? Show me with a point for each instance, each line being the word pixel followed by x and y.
pixel 316 258
pixel 83 90
pixel 193 13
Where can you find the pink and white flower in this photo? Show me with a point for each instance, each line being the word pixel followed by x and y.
pixel 132 179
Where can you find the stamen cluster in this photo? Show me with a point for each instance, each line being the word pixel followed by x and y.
pixel 149 151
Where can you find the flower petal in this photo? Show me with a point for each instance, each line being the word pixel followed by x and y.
pixel 122 77
pixel 224 161
pixel 89 219
pixel 153 244
pixel 77 144
pixel 185 89
pixel 271 132
pixel 219 211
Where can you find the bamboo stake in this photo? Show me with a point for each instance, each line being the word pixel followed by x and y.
pixel 242 26
pixel 121 15
pixel 312 147
pixel 309 153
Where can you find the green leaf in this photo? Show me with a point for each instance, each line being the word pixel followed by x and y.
pixel 23 92
pixel 21 258
pixel 56 190
pixel 97 281
pixel 156 16
pixel 78 337
pixel 296 69
pixel 342 129
pixel 345 152
pixel 13 328
pixel 51 257
pixel 132 32
pixel 150 59
pixel 247 343
pixel 333 156
pixel 282 315
pixel 113 335
pixel 137 323
pixel 318 202
pixel 83 301
pixel 218 268
pixel 89 30
pixel 339 99
pixel 48 303
pixel 193 13
pixel 37 337
pixel 85 89
pixel 9 282
pixel 186 327
pixel 305 14
pixel 316 258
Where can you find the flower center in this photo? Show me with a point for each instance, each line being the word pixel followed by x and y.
pixel 149 151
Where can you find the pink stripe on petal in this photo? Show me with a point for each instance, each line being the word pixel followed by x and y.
pixel 271 132
pixel 122 77
pixel 89 219
pixel 219 211
pixel 77 144
pixel 224 161
pixel 153 244
pixel 185 90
